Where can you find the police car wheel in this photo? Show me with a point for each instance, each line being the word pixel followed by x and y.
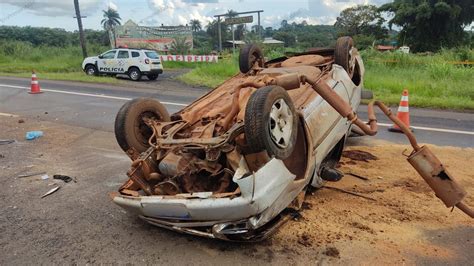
pixel 91 70
pixel 134 74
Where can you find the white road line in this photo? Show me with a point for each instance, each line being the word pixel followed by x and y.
pixel 88 94
pixel 182 104
pixel 433 129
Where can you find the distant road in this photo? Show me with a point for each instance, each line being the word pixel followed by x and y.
pixel 95 106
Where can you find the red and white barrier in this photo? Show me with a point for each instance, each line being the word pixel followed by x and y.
pixel 190 58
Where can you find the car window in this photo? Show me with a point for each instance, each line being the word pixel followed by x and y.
pixel 152 55
pixel 135 54
pixel 123 54
pixel 109 54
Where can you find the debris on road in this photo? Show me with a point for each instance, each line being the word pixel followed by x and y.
pixel 349 192
pixel 31 174
pixel 358 176
pixel 51 191
pixel 45 177
pixel 31 135
pixel 361 156
pixel 21 121
pixel 64 178
pixel 6 141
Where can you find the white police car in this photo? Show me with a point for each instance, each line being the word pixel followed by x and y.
pixel 132 62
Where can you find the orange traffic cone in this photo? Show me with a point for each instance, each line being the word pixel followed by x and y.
pixel 403 113
pixel 35 87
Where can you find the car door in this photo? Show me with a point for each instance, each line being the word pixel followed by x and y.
pixel 105 63
pixel 122 63
pixel 326 125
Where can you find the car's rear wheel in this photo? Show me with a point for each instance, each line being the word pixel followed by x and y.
pixel 152 76
pixel 249 55
pixel 91 70
pixel 343 54
pixel 134 74
pixel 130 129
pixel 271 122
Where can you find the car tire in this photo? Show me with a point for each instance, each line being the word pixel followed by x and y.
pixel 249 55
pixel 342 54
pixel 152 76
pixel 130 130
pixel 262 131
pixel 134 74
pixel 91 70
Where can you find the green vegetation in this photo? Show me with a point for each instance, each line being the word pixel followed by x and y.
pixel 432 80
pixel 211 74
pixel 431 25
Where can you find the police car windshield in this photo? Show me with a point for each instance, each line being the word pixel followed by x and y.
pixel 152 55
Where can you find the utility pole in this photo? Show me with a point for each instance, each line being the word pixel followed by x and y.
pixel 81 31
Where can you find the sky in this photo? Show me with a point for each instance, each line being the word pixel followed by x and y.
pixel 60 13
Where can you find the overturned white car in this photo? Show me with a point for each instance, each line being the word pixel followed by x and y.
pixel 230 163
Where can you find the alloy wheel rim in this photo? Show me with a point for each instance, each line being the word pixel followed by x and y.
pixel 280 123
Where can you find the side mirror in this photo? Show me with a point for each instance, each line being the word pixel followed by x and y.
pixel 100 56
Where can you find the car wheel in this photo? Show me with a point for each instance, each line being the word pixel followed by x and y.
pixel 134 74
pixel 130 129
pixel 91 70
pixel 152 76
pixel 249 55
pixel 271 122
pixel 342 54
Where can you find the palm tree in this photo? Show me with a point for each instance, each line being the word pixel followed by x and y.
pixel 195 25
pixel 231 13
pixel 179 46
pixel 111 19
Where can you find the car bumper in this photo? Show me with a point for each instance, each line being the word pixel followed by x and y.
pixel 251 216
pixel 153 71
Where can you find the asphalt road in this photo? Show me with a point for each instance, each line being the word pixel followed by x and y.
pixel 95 105
pixel 80 225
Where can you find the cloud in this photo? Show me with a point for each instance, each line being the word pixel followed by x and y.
pixel 54 7
pixel 113 6
pixel 178 12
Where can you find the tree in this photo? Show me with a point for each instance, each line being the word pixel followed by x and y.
pixel 361 20
pixel 179 46
pixel 195 25
pixel 231 13
pixel 430 25
pixel 110 21
pixel 288 38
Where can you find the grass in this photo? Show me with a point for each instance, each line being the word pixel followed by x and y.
pixel 432 80
pixel 211 74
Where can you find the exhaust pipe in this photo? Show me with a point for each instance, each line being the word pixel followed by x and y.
pixel 422 159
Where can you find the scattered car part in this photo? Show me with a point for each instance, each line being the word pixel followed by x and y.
pixel 64 178
pixel 6 141
pixel 31 174
pixel 51 191
pixel 421 158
